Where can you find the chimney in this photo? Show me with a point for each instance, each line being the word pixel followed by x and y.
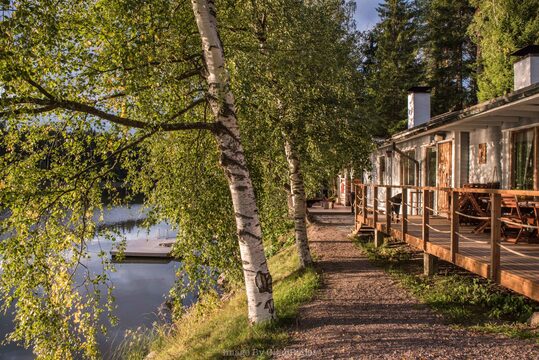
pixel 418 105
pixel 526 68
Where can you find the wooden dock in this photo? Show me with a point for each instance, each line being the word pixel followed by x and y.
pixel 514 266
pixel 145 249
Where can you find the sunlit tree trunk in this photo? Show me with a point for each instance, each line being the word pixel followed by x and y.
pixel 258 282
pixel 299 204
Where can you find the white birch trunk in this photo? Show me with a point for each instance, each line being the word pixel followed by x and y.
pixel 298 194
pixel 258 282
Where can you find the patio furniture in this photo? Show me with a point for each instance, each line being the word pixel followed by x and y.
pixel 515 217
pixel 476 205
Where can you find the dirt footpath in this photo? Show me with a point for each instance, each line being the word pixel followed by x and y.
pixel 361 313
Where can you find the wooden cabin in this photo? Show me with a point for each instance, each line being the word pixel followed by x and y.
pixel 464 186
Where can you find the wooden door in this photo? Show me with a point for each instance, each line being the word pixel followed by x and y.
pixel 445 155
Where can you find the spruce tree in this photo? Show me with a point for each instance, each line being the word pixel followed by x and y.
pixel 449 53
pixel 391 65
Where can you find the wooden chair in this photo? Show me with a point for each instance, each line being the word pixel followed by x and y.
pixel 513 218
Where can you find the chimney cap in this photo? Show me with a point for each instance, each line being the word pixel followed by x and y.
pixel 419 89
pixel 528 50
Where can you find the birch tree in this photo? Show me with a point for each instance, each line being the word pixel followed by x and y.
pixel 90 87
pixel 301 98
pixel 258 281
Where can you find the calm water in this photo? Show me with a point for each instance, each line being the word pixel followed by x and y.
pixel 140 288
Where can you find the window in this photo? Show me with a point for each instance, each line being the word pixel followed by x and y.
pixel 431 166
pixel 464 157
pixel 408 167
pixel 382 170
pixel 523 159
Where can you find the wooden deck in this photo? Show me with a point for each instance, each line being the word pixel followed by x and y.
pixel 519 263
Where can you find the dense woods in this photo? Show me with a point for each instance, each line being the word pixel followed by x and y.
pixel 460 48
pixel 224 116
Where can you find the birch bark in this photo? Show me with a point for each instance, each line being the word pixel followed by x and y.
pixel 299 204
pixel 258 281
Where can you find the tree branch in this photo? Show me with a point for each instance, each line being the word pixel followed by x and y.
pixel 184 76
pixel 87 109
pixel 40 88
pixel 34 111
pixel 115 153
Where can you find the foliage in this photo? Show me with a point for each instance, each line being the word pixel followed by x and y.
pixel 288 91
pixel 391 64
pixel 89 88
pixel 93 96
pixel 212 329
pixel 187 196
pixel 449 53
pixel 498 29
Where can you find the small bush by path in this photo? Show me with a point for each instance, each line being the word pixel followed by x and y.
pixel 464 299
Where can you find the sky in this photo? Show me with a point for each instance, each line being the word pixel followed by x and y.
pixel 366 16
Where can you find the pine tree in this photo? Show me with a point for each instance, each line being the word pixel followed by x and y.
pixel 499 28
pixel 449 53
pixel 393 67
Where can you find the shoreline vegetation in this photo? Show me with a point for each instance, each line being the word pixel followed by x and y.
pixel 462 298
pixel 214 327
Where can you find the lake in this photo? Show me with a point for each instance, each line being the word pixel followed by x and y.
pixel 140 288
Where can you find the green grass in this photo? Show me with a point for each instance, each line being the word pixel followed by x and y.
pixel 213 329
pixel 464 300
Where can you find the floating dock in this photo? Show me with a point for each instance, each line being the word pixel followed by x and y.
pixel 145 249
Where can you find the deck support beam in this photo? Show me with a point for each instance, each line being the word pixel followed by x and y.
pixel 430 264
pixel 425 218
pixel 495 234
pixel 388 210
pixel 378 238
pixel 375 205
pixel 404 206
pixel 364 203
pixel 454 247
pixel 426 211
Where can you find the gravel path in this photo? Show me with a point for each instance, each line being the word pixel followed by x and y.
pixel 361 313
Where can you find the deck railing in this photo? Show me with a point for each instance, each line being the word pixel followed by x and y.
pixel 377 202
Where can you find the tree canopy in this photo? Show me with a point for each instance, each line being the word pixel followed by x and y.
pixel 91 90
pixel 499 28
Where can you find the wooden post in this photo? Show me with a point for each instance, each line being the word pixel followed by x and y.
pixel 429 261
pixel 426 211
pixel 536 159
pixel 388 210
pixel 495 234
pixel 378 238
pixel 404 207
pixel 364 203
pixel 454 247
pixel 430 264
pixel 375 205
pixel 356 206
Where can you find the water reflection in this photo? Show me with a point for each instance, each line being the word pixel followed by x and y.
pixel 140 287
